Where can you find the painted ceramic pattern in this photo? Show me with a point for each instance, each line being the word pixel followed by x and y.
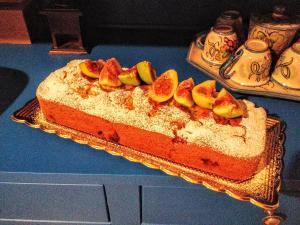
pixel 277 40
pixel 249 68
pixel 259 70
pixel 287 71
pixel 283 67
pixel 270 88
pixel 218 47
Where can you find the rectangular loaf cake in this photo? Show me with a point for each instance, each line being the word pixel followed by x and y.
pixel 126 117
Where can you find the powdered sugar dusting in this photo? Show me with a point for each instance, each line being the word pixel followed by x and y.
pixel 245 140
pixel 67 86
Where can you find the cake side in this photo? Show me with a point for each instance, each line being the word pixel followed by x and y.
pixel 202 157
pixel 67 86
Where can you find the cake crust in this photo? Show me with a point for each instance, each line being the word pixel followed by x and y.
pixel 202 157
pixel 68 98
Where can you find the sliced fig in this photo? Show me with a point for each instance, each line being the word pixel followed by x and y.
pixel 164 86
pixel 227 106
pixel 203 94
pixel 130 77
pixel 183 94
pixel 92 68
pixel 109 73
pixel 198 112
pixel 146 72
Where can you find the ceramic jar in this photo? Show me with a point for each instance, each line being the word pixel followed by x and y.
pixel 219 44
pixel 287 69
pixel 250 65
pixel 234 19
pixel 277 29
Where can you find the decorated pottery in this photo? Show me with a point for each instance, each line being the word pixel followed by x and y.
pixel 287 69
pixel 276 29
pixel 219 44
pixel 234 19
pixel 250 65
pixel 200 40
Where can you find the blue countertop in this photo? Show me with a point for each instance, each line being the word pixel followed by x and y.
pixel 23 149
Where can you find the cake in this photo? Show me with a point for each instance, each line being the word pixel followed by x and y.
pixel 197 128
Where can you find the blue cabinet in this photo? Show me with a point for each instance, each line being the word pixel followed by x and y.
pixel 129 200
pixel 45 179
pixel 176 205
pixel 70 203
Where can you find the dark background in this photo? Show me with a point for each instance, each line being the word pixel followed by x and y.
pixel 153 22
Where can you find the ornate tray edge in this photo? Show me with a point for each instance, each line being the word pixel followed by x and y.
pixel 152 165
pixel 244 91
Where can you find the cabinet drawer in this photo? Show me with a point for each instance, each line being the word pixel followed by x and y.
pixel 51 202
pixel 194 206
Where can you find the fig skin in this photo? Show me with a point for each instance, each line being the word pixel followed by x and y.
pixel 227 106
pixel 164 86
pixel 109 73
pixel 130 77
pixel 146 72
pixel 203 94
pixel 92 69
pixel 183 93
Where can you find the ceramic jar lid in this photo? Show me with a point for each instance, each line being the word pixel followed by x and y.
pixel 277 20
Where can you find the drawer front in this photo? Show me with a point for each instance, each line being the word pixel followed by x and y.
pixel 194 206
pixel 49 202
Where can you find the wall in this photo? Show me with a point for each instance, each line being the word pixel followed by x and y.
pixel 171 22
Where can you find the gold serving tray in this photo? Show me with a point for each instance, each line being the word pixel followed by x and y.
pixel 272 89
pixel 261 189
